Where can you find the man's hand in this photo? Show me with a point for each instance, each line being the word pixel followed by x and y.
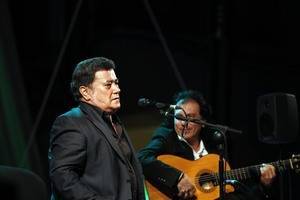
pixel 186 188
pixel 267 174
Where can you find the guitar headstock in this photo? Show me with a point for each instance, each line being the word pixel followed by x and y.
pixel 295 163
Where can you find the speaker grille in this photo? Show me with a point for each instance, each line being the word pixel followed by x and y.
pixel 277 118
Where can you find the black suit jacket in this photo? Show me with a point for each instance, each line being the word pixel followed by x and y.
pixel 85 160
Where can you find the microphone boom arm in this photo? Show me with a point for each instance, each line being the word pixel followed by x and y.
pixel 200 121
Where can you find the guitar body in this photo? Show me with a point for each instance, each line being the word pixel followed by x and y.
pixel 203 167
pixel 205 177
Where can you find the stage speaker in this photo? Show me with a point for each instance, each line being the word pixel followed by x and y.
pixel 277 118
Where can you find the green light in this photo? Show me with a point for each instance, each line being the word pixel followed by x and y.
pixel 11 125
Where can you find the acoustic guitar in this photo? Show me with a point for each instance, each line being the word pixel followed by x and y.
pixel 205 176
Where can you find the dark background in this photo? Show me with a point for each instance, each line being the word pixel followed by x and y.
pixel 231 51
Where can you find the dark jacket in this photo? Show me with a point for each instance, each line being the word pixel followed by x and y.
pixel 85 160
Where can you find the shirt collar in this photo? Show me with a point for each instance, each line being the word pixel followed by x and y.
pixel 197 154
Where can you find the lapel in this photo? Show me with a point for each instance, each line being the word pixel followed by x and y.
pixel 127 137
pixel 180 147
pixel 103 128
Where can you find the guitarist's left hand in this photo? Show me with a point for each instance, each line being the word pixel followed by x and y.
pixel 267 174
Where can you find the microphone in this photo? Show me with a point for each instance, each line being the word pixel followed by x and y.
pixel 144 102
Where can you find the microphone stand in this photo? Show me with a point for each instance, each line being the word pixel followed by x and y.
pixel 221 136
pixel 222 147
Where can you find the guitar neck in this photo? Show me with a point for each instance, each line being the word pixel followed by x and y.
pixel 250 171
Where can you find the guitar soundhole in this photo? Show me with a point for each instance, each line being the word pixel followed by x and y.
pixel 206 181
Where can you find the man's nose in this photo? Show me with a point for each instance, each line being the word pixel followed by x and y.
pixel 184 123
pixel 116 88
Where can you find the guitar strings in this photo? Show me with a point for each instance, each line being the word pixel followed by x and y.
pixel 240 174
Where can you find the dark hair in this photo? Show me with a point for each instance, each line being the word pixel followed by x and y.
pixel 185 95
pixel 84 73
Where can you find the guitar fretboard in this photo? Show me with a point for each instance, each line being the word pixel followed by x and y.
pixel 244 173
pixel 250 171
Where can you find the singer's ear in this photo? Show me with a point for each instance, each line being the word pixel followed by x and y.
pixel 85 93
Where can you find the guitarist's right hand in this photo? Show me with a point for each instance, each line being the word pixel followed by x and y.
pixel 186 190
